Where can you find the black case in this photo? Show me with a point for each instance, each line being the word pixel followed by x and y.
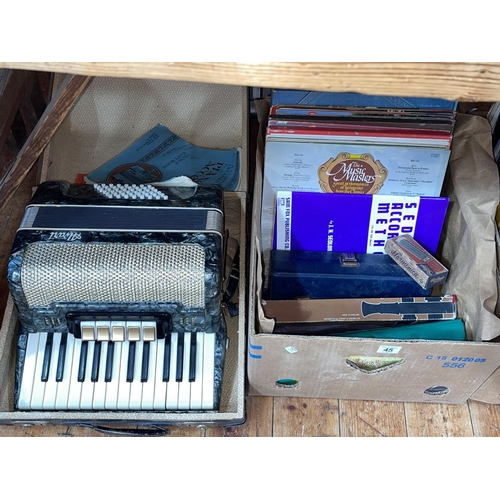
pixel 331 275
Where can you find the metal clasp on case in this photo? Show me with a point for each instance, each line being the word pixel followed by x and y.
pixel 348 260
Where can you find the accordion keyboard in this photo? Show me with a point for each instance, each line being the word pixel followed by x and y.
pixel 64 372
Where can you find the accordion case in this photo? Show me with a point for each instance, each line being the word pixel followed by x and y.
pixel 332 275
pixel 97 269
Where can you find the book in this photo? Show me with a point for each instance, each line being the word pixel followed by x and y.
pixel 453 329
pixel 357 223
pixel 361 122
pixel 160 155
pixel 371 135
pixel 442 116
pixel 290 96
pixel 363 310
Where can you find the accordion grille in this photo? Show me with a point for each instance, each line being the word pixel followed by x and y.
pixel 113 272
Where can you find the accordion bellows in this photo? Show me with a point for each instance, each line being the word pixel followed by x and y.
pixel 113 272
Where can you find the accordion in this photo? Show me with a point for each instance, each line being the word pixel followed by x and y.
pixel 118 289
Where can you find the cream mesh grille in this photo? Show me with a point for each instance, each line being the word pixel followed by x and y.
pixel 113 272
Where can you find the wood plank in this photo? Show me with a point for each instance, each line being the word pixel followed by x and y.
pixel 14 88
pixel 438 420
pixel 463 81
pixel 28 114
pixel 259 421
pixel 52 117
pixel 485 419
pixel 372 419
pixel 302 417
pixel 10 218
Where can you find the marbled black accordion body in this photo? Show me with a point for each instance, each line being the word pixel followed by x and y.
pixel 129 268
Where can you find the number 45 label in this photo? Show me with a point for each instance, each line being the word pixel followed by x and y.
pixel 389 349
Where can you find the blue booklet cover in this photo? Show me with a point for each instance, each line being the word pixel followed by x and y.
pixel 358 223
pixel 305 97
pixel 160 155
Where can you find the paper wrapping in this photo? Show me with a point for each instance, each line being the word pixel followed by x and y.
pixel 469 247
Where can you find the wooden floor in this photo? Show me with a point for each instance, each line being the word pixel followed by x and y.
pixel 296 417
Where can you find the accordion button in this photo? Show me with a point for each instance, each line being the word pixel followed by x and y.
pixel 118 333
pixel 149 333
pixel 103 333
pixel 134 333
pixel 88 333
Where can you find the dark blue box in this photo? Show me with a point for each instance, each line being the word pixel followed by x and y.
pixel 322 275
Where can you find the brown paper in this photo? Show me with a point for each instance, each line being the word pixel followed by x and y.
pixel 469 248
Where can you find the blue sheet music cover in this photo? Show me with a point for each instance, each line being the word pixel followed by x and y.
pixel 160 155
pixel 358 223
pixel 314 98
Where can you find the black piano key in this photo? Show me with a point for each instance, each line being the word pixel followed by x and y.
pixel 108 373
pixel 145 362
pixel 131 362
pixel 166 358
pixel 192 357
pixel 180 357
pixel 46 357
pixel 94 375
pixel 83 361
pixel 61 358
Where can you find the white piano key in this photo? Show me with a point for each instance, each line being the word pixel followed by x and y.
pixel 185 385
pixel 100 386
pixel 28 375
pixel 172 385
pixel 75 387
pixel 49 396
pixel 148 387
pixel 197 385
pixel 160 387
pixel 123 386
pixel 39 386
pixel 208 372
pixel 87 394
pixel 62 395
pixel 136 385
pixel 111 402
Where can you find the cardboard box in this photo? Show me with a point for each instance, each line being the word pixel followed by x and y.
pixel 412 371
pixel 109 115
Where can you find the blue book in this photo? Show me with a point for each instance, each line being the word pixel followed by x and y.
pixel 314 98
pixel 357 223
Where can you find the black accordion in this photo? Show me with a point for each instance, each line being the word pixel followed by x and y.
pixel 118 289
